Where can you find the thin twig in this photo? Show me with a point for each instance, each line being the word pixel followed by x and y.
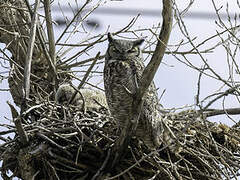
pixel 103 166
pixel 27 69
pixel 63 149
pixel 42 38
pixel 73 19
pixel 51 39
pixel 227 92
pixel 85 77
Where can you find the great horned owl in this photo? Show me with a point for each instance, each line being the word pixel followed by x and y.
pixel 123 68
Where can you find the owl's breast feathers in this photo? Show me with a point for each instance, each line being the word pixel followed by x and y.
pixel 119 81
pixel 118 78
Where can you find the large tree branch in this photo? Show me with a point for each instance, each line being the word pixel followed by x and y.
pixel 215 112
pixel 152 67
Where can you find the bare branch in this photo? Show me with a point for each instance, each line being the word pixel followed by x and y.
pixel 227 92
pixel 17 120
pixel 42 39
pixel 73 19
pixel 85 77
pixel 160 49
pixel 13 110
pixel 21 132
pixel 27 69
pixel 215 112
pixel 51 40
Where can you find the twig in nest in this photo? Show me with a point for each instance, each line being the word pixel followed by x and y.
pixel 17 121
pixel 103 166
pixel 21 132
pixel 53 143
pixel 83 99
pixel 32 108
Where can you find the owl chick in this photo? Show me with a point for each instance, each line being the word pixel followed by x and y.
pixel 94 100
pixel 122 72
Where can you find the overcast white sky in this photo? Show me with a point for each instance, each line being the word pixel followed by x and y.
pixel 178 80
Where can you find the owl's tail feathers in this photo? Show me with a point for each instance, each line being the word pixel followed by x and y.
pixel 163 136
pixel 168 137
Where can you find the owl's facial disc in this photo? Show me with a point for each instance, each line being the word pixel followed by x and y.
pixel 114 49
pixel 124 50
pixel 119 49
pixel 133 50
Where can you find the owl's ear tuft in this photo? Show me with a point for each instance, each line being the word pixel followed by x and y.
pixel 110 37
pixel 138 42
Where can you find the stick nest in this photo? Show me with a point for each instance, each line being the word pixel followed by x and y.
pixel 68 143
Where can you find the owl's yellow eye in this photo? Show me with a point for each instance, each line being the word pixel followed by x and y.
pixel 112 48
pixel 134 49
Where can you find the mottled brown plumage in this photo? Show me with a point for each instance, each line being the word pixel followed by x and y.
pixel 122 72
